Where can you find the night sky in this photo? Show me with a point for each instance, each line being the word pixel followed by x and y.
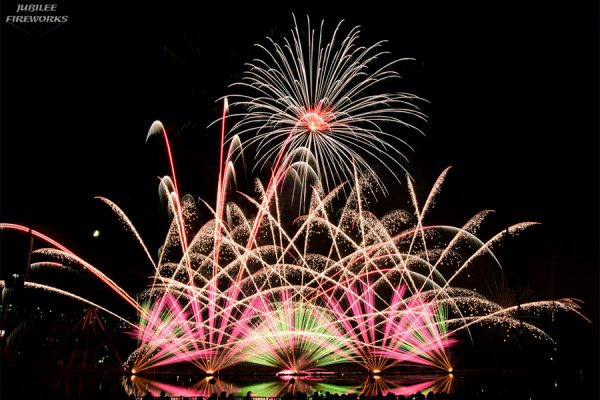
pixel 513 94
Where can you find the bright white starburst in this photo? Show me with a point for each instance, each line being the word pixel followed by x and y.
pixel 309 96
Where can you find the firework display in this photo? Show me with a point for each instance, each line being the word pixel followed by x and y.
pixel 336 284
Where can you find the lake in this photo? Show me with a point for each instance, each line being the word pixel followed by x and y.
pixel 500 384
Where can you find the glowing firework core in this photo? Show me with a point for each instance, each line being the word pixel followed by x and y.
pixel 315 122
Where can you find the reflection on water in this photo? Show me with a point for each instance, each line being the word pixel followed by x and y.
pixel 278 386
pixel 482 384
pixel 408 384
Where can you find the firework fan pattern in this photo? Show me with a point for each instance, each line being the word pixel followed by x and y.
pixel 334 285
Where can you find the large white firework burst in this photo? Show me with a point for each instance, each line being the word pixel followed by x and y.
pixel 312 98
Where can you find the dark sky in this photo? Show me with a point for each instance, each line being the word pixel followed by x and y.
pixel 513 94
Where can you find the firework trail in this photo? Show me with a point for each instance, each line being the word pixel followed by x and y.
pixel 338 284
pixel 309 97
